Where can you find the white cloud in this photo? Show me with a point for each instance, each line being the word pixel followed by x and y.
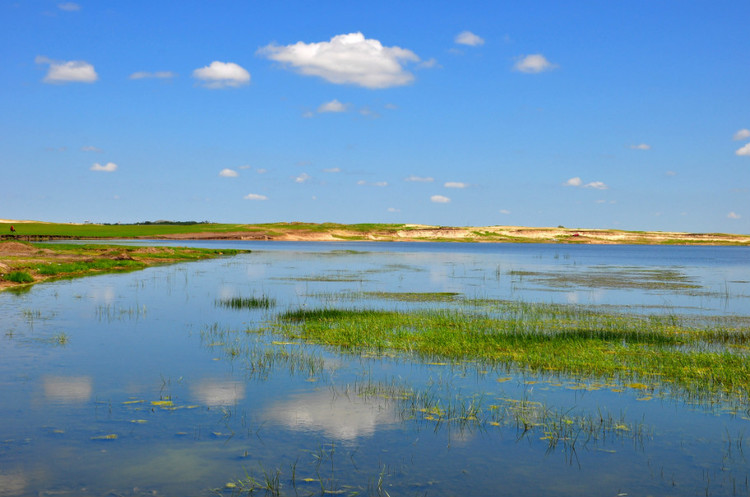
pixel 393 209
pixel 744 150
pixel 420 179
pixel 222 75
pixel 109 167
pixel 302 178
pixel 333 106
pixel 375 183
pixel 597 185
pixel 69 6
pixel 455 184
pixel 261 171
pixel 90 148
pixel 246 166
pixel 255 196
pixel 332 170
pixel 439 199
pixel 577 182
pixel 380 183
pixel 228 173
pixel 532 64
pixel 641 146
pixel 347 59
pixel 733 215
pixel 72 71
pixel 391 106
pixel 468 38
pixel 742 134
pixel 504 211
pixel 153 75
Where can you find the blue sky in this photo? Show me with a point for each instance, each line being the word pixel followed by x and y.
pixel 598 114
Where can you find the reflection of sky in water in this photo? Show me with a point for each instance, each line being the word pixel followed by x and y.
pixel 67 389
pixel 218 393
pixel 179 350
pixel 338 416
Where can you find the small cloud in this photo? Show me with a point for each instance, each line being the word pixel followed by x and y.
pixel 261 170
pixel 332 170
pixel 455 184
pixel 642 146
pixel 504 211
pixel 744 150
pixel 109 167
pixel 439 199
pixel 332 106
pixel 90 148
pixel 577 182
pixel 302 178
pixel 73 71
pixel 391 106
pixel 228 173
pixel 153 75
pixel 308 114
pixel 597 185
pixel 733 215
pixel 429 64
pixel 380 183
pixel 222 75
pixel 246 166
pixel 255 196
pixel 365 111
pixel 393 209
pixel 741 134
pixel 468 38
pixel 533 64
pixel 347 59
pixel 69 6
pixel 420 179
pixel 671 173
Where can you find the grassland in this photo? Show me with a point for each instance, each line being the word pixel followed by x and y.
pixel 23 264
pixel 296 231
pixel 702 357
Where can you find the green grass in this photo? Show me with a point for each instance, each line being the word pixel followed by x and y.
pixel 700 357
pixel 263 302
pixel 19 277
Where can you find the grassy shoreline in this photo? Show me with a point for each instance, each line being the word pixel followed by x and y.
pixel 295 231
pixel 23 264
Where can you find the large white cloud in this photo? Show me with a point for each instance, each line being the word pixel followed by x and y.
pixel 109 167
pixel 469 38
pixel 222 75
pixel 744 150
pixel 532 64
pixel 71 71
pixel 742 134
pixel 347 59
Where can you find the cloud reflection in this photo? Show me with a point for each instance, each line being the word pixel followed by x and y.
pixel 340 417
pixel 12 484
pixel 67 389
pixel 218 393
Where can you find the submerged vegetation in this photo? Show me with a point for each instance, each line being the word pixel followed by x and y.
pixel 262 302
pixel 705 357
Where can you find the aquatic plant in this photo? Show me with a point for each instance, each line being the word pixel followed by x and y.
pixel 19 277
pixel 262 302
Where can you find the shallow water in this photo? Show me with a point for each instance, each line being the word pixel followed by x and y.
pixel 140 384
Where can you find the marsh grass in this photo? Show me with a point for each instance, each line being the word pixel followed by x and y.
pixel 262 302
pixel 702 358
pixel 19 277
pixel 613 277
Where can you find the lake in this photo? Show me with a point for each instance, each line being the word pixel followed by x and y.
pixel 143 383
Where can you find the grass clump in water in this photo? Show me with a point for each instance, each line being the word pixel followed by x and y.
pixel 263 302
